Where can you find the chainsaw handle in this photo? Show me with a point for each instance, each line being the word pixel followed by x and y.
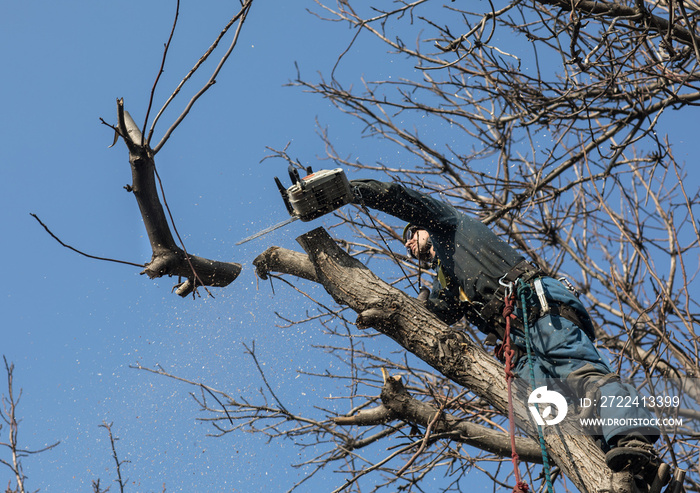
pixel 294 176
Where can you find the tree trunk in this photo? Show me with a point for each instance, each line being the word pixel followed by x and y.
pixel 448 350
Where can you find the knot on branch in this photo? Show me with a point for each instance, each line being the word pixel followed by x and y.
pixel 186 288
pixel 366 417
pixel 139 158
pixel 452 344
pixel 161 264
pixel 394 394
pixel 377 317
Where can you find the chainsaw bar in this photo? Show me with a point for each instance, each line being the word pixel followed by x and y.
pixel 268 230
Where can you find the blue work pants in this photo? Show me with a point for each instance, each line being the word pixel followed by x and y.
pixel 559 347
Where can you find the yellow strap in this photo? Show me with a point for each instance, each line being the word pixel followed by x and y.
pixel 441 276
pixel 444 282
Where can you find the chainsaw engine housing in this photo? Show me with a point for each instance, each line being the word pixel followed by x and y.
pixel 317 194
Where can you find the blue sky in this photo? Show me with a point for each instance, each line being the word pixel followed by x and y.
pixel 71 325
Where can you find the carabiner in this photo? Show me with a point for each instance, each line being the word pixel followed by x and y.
pixel 507 285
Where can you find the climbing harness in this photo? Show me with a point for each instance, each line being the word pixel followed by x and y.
pixel 523 270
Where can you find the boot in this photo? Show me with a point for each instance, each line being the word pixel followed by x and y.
pixel 632 453
pixel 635 454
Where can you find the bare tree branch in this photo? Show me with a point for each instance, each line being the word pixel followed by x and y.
pixel 8 414
pixel 240 17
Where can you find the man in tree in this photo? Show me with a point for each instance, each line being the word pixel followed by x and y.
pixel 473 268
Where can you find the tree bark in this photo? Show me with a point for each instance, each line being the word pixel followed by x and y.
pixel 449 351
pixel 168 258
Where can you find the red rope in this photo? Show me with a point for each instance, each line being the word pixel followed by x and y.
pixel 507 352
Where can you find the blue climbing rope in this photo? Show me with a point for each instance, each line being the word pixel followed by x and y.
pixel 521 290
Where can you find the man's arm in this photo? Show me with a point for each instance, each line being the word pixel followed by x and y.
pixel 425 212
pixel 406 204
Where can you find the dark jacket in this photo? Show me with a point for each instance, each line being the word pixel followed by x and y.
pixel 471 256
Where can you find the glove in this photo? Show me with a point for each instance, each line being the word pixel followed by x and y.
pixel 423 294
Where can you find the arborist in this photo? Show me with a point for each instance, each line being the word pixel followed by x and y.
pixel 474 268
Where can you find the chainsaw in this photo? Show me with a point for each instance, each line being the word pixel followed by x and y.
pixel 310 197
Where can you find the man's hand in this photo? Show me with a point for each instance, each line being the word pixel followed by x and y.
pixel 423 295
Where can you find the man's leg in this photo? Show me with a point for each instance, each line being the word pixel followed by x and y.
pixel 564 352
pixel 628 447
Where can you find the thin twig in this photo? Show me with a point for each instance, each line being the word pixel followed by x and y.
pixel 217 400
pixel 119 463
pixel 80 252
pixel 241 16
pixel 11 420
pixel 160 72
pixel 177 234
pixel 425 440
pixel 251 351
pixel 210 390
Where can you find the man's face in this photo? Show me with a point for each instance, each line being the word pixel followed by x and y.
pixel 419 245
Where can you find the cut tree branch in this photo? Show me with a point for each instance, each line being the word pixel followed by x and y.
pixel 168 258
